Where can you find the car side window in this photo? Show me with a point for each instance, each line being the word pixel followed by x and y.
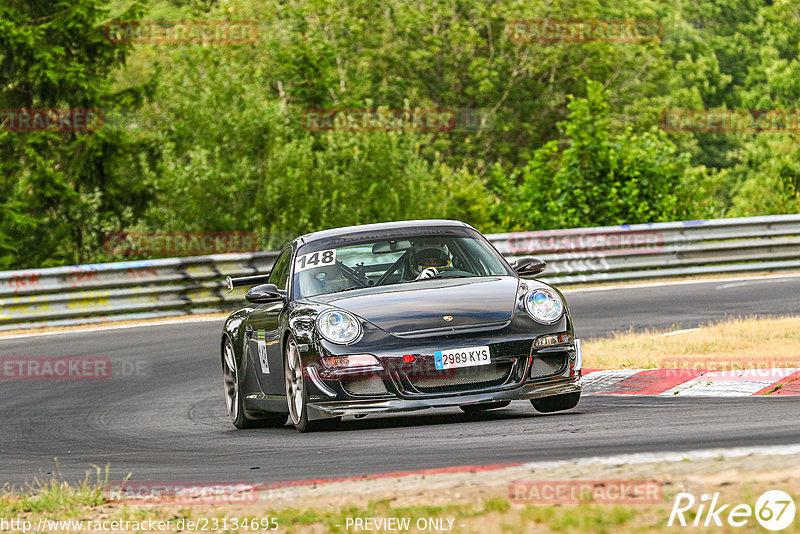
pixel 280 271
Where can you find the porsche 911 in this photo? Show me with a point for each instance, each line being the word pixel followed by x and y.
pixel 394 317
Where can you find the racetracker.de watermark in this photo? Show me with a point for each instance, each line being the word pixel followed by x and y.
pixel 620 241
pixel 584 31
pixel 175 524
pixel 50 120
pixel 71 368
pixel 585 491
pixel 216 32
pixel 731 120
pixel 724 370
pixel 398 120
pixel 182 492
pixel 729 364
pixel 178 243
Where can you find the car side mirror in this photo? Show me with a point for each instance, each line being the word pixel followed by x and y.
pixel 265 293
pixel 529 266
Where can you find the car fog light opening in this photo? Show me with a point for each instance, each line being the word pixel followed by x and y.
pixel 352 361
pixel 555 339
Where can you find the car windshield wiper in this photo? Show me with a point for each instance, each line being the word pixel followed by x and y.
pixel 351 288
pixel 436 278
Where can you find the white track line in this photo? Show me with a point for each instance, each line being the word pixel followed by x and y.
pixel 676 332
pixel 182 320
pixel 672 456
pixel 769 278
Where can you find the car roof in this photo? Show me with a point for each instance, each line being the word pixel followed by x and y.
pixel 377 227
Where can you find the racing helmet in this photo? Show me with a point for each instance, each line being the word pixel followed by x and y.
pixel 429 255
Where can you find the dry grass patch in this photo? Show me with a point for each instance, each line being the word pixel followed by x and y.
pixel 734 344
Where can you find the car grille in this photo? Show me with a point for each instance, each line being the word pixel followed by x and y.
pixel 464 378
pixel 368 385
pixel 545 365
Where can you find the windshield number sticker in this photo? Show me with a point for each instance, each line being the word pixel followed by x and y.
pixel 313 260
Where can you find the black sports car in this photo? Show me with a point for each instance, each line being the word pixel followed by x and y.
pixel 393 317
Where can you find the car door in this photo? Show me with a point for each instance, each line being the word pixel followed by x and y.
pixel 264 332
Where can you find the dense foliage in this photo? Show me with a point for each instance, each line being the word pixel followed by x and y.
pixel 210 137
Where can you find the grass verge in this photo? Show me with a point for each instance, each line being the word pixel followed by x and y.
pixel 754 343
pixel 462 503
pixel 55 497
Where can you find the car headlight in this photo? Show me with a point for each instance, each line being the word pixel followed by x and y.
pixel 543 305
pixel 339 327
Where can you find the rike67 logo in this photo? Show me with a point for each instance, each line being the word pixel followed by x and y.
pixel 774 510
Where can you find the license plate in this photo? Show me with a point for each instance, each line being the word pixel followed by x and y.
pixel 468 357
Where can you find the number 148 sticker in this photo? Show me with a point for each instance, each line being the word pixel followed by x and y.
pixel 315 259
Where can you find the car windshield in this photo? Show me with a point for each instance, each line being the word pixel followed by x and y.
pixel 384 262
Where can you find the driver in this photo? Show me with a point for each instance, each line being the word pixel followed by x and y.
pixel 426 260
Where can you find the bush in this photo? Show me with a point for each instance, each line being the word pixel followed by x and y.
pixel 596 177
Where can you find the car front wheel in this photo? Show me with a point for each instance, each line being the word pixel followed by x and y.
pixel 233 394
pixel 556 403
pixel 296 394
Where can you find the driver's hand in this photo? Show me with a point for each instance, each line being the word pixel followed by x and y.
pixel 429 272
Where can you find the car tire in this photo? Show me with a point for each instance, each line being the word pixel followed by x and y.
pixel 296 392
pixel 233 395
pixel 556 403
pixel 477 408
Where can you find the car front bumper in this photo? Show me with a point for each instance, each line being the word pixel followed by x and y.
pixel 401 391
pixel 530 390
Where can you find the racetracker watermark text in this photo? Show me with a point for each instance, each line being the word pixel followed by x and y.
pixel 769 372
pixel 731 120
pixel 181 32
pixel 182 492
pixel 398 120
pixel 50 120
pixel 182 524
pixel 71 368
pixel 584 31
pixel 580 240
pixel 608 491
pixel 178 243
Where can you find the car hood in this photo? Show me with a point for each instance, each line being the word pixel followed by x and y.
pixel 423 305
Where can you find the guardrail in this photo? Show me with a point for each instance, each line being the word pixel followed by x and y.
pixel 675 249
pixel 83 294
pixel 100 292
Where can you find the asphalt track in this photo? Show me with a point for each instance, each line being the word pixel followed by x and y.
pixel 165 420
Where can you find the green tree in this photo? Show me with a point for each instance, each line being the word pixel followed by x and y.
pixel 221 155
pixel 599 177
pixel 58 191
